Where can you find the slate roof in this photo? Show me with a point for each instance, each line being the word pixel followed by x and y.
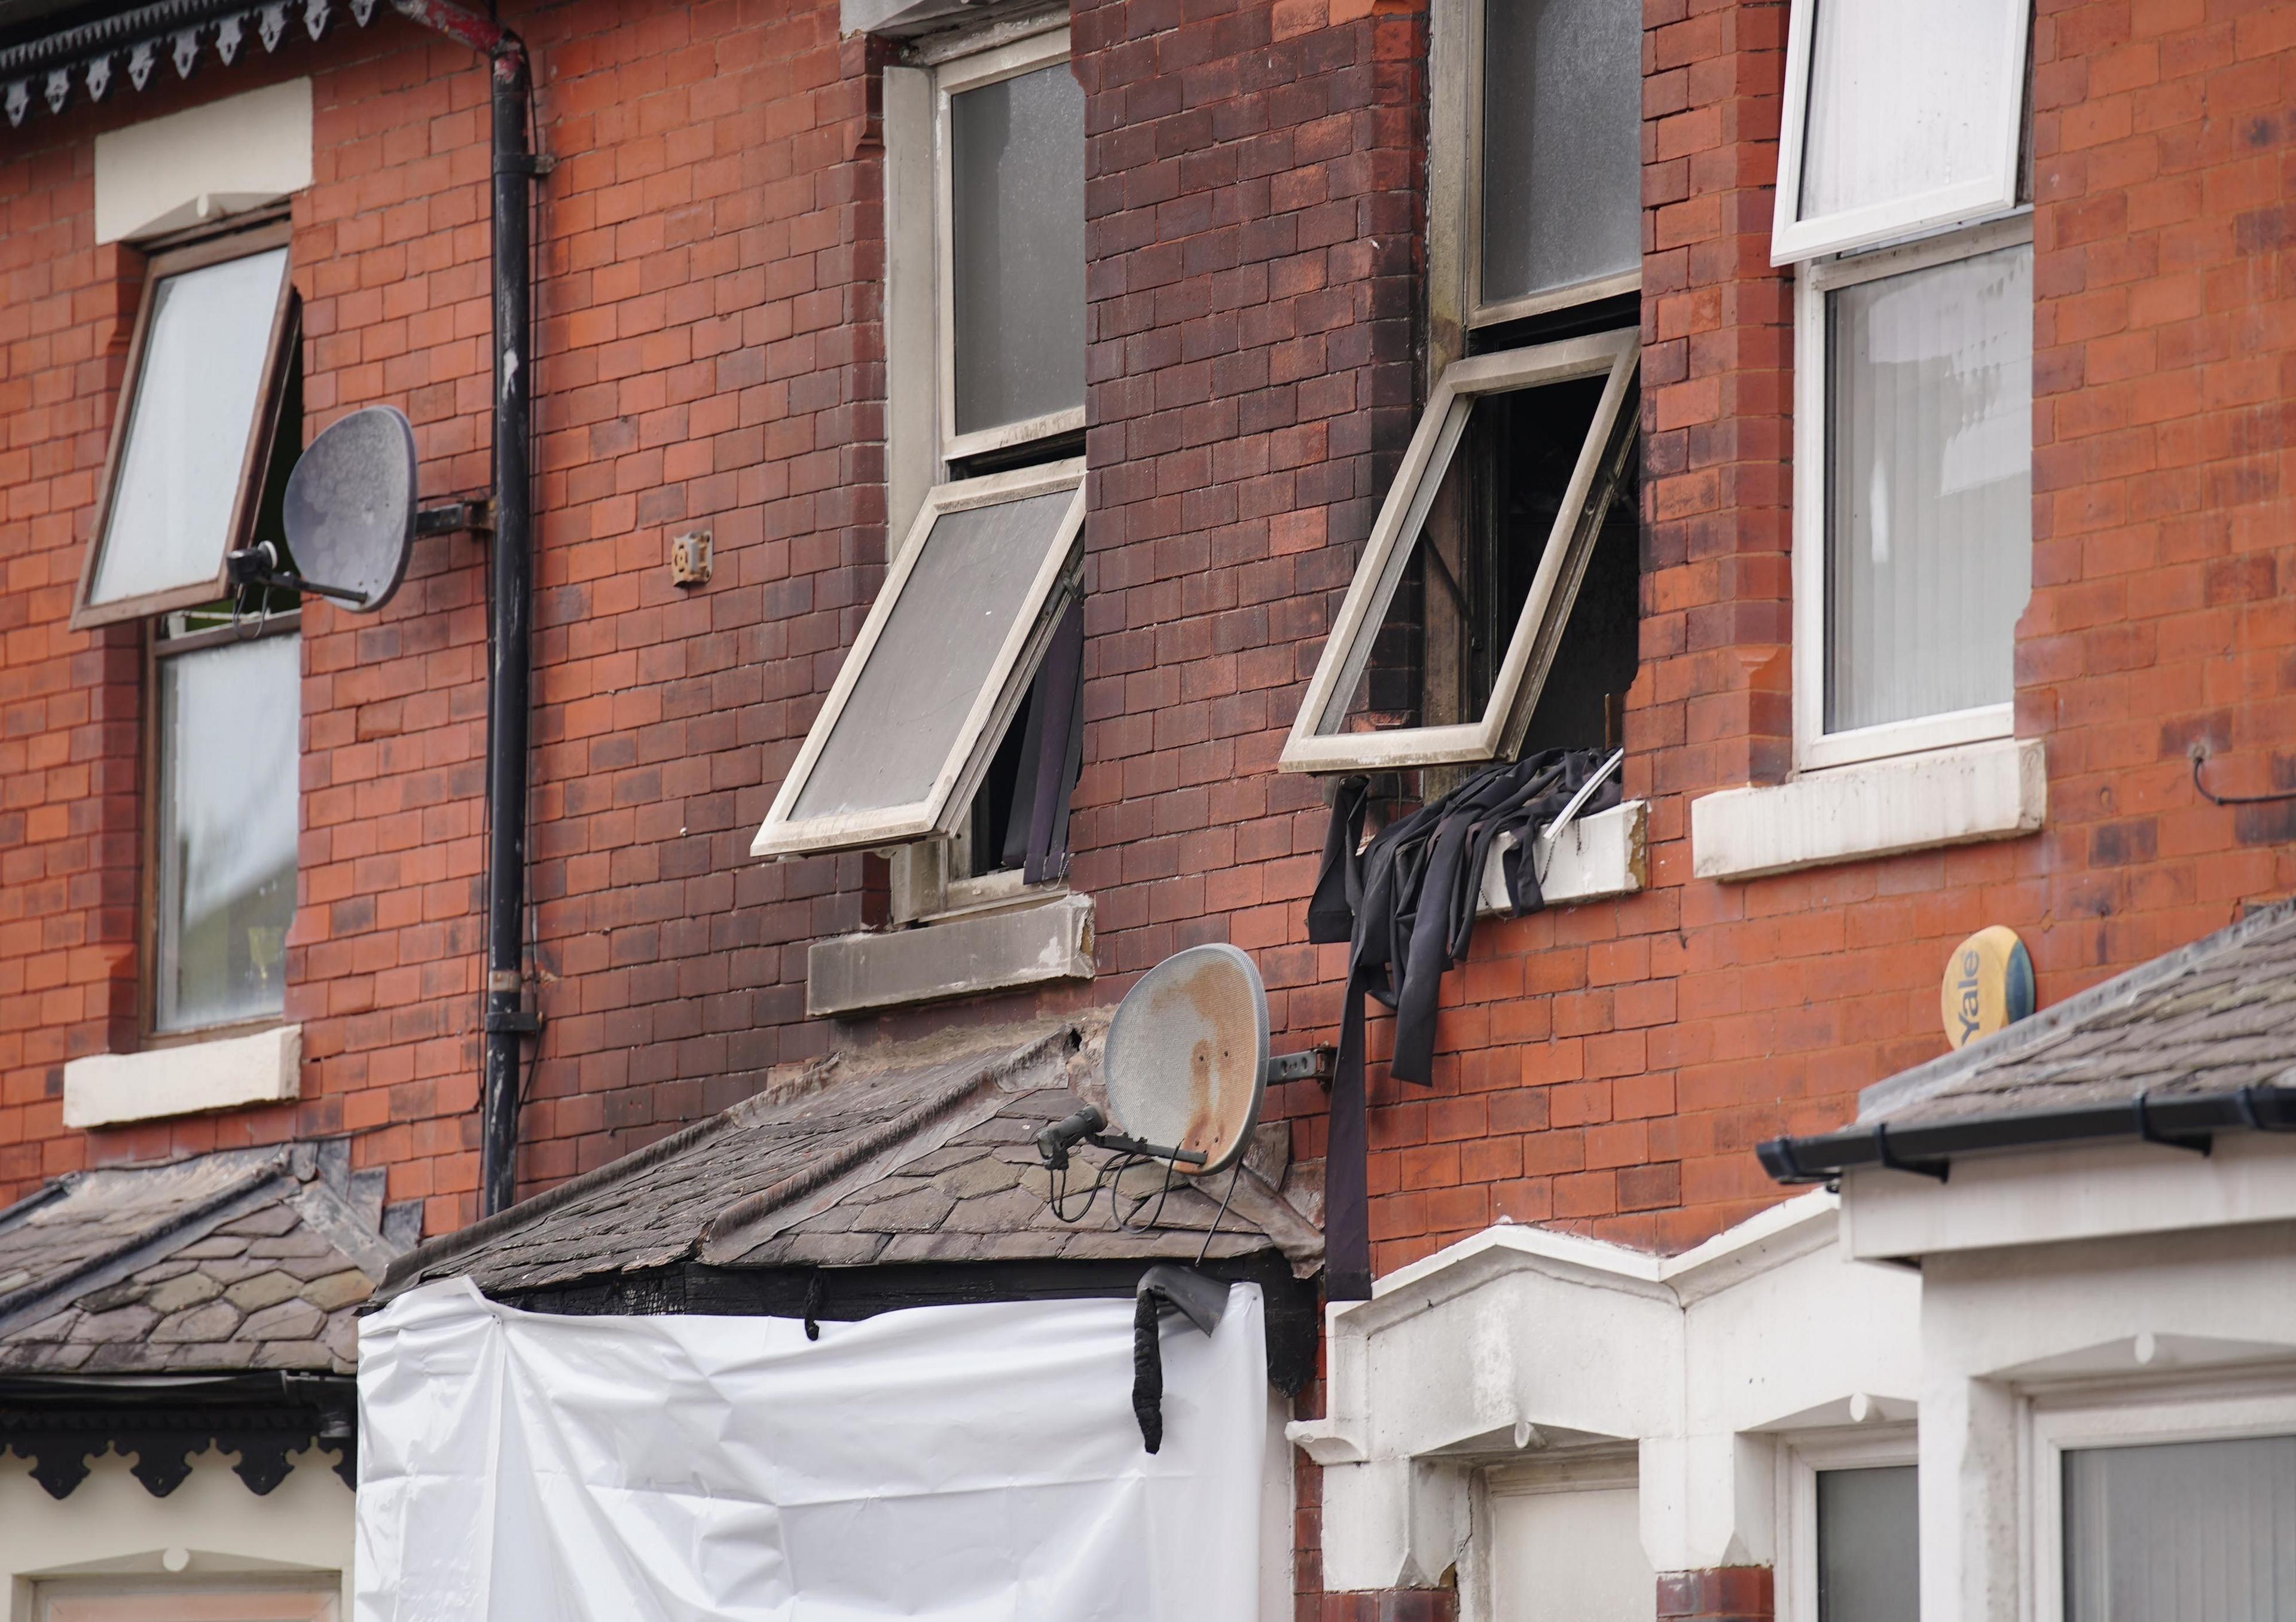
pixel 921 1152
pixel 2211 1017
pixel 253 1258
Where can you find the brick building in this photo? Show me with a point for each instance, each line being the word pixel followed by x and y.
pixel 1626 440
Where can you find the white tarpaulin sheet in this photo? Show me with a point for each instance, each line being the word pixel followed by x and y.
pixel 960 1464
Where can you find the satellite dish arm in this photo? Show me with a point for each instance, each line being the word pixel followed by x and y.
pixel 258 565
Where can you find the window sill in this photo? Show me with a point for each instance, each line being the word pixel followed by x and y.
pixel 954 957
pixel 110 1089
pixel 1994 791
pixel 1606 854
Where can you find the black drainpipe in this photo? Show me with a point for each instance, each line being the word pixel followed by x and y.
pixel 514 170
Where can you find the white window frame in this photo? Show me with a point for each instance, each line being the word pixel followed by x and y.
pixel 1348 649
pixel 1868 1447
pixel 2231 1410
pixel 993 707
pixel 1456 105
pixel 1794 238
pixel 1599 1469
pixel 1815 749
pixel 951 78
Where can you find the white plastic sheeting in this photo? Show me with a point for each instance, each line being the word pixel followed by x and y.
pixel 960 1463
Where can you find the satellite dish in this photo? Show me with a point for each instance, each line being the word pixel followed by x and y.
pixel 350 508
pixel 1186 1059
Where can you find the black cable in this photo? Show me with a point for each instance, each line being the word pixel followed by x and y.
pixel 2200 755
pixel 1206 1247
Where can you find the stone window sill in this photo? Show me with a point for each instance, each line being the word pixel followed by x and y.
pixel 956 956
pixel 1993 791
pixel 110 1089
pixel 1606 854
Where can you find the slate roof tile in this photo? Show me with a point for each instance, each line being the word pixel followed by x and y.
pixel 214 1264
pixel 920 1152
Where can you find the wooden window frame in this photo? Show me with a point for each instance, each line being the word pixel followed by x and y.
pixel 950 78
pixel 950 794
pixel 254 462
pixel 1514 692
pixel 156 649
pixel 1815 748
pixel 1794 238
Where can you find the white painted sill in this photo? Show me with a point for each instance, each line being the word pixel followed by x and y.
pixel 956 956
pixel 1606 854
pixel 110 1089
pixel 1993 791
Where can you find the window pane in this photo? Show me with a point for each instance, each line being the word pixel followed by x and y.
pixel 1570 1557
pixel 933 657
pixel 1869 1567
pixel 1931 442
pixel 1905 100
pixel 227 828
pixel 1017 191
pixel 199 387
pixel 1562 117
pixel 2188 1532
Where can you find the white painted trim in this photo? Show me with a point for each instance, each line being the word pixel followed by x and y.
pixel 190 1078
pixel 992 708
pixel 1311 747
pixel 2104 1191
pixel 913 463
pixel 218 159
pixel 2170 1415
pixel 1815 749
pixel 1992 791
pixel 1604 854
pixel 951 78
pixel 1794 238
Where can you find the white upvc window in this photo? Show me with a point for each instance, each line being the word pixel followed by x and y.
pixel 953 737
pixel 1495 610
pixel 1913 494
pixel 1008 144
pixel 1913 385
pixel 2168 1509
pixel 1850 1544
pixel 1897 119
pixel 942 664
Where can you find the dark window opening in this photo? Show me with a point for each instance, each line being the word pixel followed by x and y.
pixel 1014 823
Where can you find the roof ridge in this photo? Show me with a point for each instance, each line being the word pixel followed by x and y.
pixel 2054 1024
pixel 144 1247
pixel 866 1145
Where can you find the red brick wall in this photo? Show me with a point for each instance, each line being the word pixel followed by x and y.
pixel 711 248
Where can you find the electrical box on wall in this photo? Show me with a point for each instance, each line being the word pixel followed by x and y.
pixel 690 559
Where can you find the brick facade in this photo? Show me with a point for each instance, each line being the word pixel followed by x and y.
pixel 710 250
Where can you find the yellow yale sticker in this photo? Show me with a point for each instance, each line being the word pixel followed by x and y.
pixel 1989 984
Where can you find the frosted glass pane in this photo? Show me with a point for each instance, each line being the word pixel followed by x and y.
pixel 933 657
pixel 1930 473
pixel 1906 99
pixel 1017 191
pixel 228 823
pixel 197 392
pixel 1563 120
pixel 1570 1557
pixel 1869 1566
pixel 2188 1532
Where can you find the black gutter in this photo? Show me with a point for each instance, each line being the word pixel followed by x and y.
pixel 514 170
pixel 2181 1121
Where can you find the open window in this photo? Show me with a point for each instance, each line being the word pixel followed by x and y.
pixel 1897 119
pixel 918 717
pixel 1503 524
pixel 192 440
